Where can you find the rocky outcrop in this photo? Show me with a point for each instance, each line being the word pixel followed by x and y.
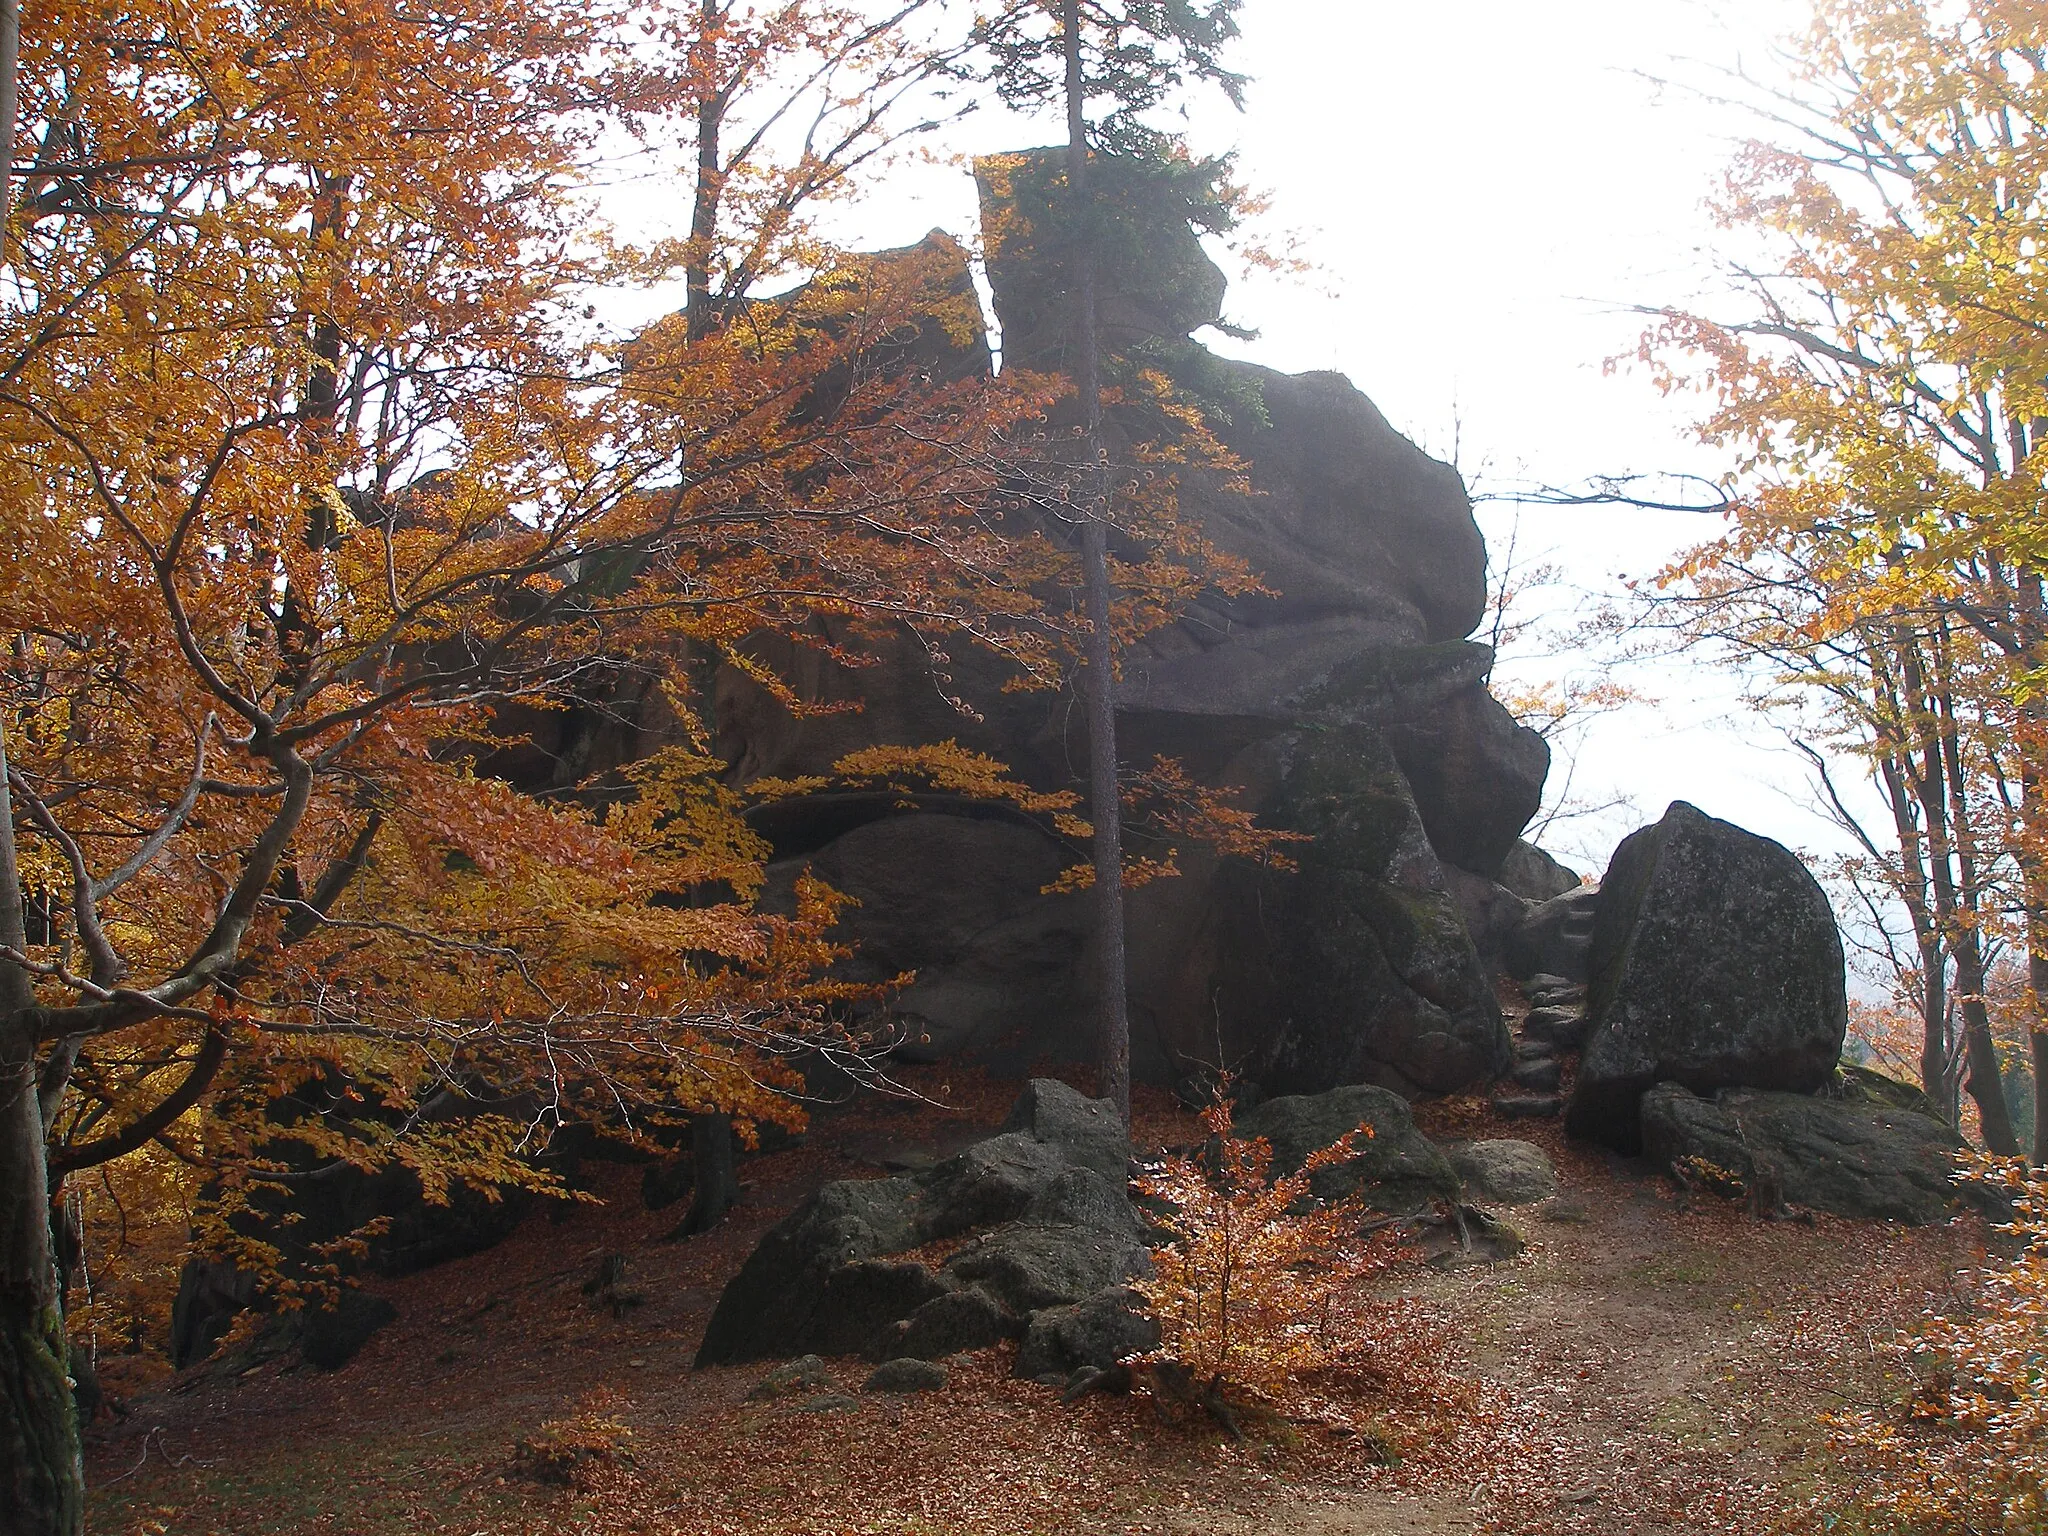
pixel 1051 1229
pixel 1353 967
pixel 1344 702
pixel 1715 963
pixel 1850 1155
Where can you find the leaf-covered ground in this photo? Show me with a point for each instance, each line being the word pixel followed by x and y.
pixel 1643 1368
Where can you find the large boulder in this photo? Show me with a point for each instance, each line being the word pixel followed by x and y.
pixel 1053 1228
pixel 1715 963
pixel 1503 1172
pixel 1028 1266
pixel 1085 1131
pixel 1849 1156
pixel 770 1307
pixel 1398 1169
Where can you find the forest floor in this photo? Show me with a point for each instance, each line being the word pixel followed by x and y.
pixel 1646 1367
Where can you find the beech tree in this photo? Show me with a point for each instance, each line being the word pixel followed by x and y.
pixel 314 465
pixel 1885 392
pixel 1132 56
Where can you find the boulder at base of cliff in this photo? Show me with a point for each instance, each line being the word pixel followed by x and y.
pixel 1715 964
pixel 1398 1169
pixel 1851 1156
pixel 1053 1230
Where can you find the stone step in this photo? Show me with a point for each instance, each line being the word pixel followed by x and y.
pixel 1538 1073
pixel 1559 1038
pixel 1528 1106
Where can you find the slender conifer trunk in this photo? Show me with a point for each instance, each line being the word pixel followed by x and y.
pixel 1104 807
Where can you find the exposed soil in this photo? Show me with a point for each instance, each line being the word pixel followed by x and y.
pixel 1644 1368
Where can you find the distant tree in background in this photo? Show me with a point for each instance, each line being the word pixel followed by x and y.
pixel 1886 389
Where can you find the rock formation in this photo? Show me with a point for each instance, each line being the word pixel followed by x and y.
pixel 1348 705
pixel 1715 963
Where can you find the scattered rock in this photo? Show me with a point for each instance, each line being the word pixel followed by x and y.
pixel 953 1324
pixel 907 1375
pixel 1398 1169
pixel 829 1402
pixel 1539 1074
pixel 1853 1158
pixel 1508 1172
pixel 1106 1328
pixel 806 1373
pixel 1562 1029
pixel 1528 1106
pixel 1566 1213
pixel 1715 963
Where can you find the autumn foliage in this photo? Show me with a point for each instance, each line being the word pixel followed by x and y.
pixel 1267 1295
pixel 1963 1450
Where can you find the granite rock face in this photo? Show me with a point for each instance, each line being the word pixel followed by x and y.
pixel 1715 963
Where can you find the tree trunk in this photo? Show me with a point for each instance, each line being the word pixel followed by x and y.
pixel 42 1485
pixel 1956 903
pixel 1105 809
pixel 697 317
pixel 716 1172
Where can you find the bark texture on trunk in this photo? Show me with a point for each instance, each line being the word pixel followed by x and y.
pixel 1104 807
pixel 42 1484
pixel 715 1168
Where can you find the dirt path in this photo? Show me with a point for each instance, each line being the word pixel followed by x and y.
pixel 1646 1370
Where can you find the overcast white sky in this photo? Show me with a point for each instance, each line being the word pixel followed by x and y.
pixel 1488 186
